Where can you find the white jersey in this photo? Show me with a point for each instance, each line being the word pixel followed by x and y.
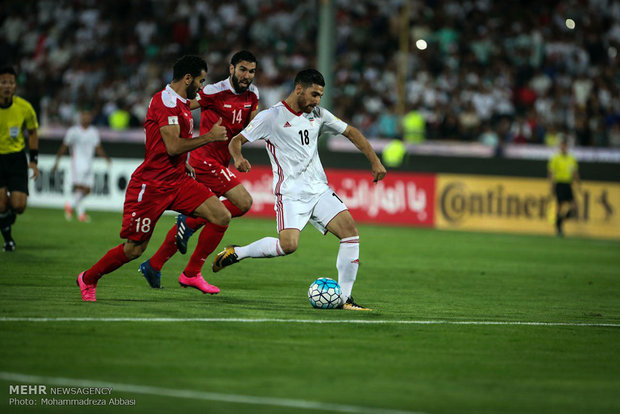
pixel 82 143
pixel 291 139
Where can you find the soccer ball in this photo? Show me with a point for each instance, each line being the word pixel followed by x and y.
pixel 324 293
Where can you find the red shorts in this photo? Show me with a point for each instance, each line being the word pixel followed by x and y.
pixel 145 203
pixel 215 176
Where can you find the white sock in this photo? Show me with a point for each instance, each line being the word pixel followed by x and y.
pixel 347 264
pixel 265 247
pixel 77 197
pixel 80 209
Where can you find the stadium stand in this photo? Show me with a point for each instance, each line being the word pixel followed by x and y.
pixel 493 72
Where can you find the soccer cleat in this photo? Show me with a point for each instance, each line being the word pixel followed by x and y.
pixel 88 291
pixel 68 212
pixel 9 246
pixel 225 258
pixel 83 218
pixel 351 305
pixel 199 283
pixel 152 276
pixel 183 233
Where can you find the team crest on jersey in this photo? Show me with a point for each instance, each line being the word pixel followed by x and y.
pixel 173 120
pixel 227 106
pixel 14 132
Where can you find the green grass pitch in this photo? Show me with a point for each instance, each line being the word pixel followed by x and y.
pixel 276 366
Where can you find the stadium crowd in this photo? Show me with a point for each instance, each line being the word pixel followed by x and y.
pixel 522 72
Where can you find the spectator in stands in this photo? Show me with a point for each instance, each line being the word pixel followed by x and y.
pixel 503 57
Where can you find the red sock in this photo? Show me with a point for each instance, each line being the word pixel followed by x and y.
pixel 111 261
pixel 234 210
pixel 195 223
pixel 167 249
pixel 209 238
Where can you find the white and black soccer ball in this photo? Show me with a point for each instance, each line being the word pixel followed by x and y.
pixel 324 293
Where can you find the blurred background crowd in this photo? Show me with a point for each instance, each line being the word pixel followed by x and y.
pixel 488 71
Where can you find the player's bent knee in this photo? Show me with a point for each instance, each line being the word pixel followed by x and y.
pixel 348 232
pixel 133 250
pixel 222 218
pixel 288 247
pixel 246 204
pixel 132 254
pixel 19 209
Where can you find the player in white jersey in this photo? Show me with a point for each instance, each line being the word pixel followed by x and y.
pixel 291 130
pixel 84 141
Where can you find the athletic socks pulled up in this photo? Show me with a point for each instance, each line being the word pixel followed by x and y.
pixel 347 264
pixel 208 240
pixel 265 247
pixel 111 261
pixel 169 246
pixel 167 249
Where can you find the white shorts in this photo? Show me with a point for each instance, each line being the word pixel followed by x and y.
pixel 82 174
pixel 295 214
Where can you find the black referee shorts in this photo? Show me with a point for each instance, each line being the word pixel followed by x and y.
pixel 14 171
pixel 564 192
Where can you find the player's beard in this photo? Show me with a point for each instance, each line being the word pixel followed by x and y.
pixel 303 105
pixel 191 91
pixel 237 85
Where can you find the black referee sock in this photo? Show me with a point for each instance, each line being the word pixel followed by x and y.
pixel 6 220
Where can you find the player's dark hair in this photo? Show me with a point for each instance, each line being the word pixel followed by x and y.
pixel 308 77
pixel 188 64
pixel 242 55
pixel 8 69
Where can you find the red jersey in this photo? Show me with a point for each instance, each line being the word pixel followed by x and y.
pixel 166 108
pixel 219 100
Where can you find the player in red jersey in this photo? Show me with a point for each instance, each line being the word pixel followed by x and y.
pixel 235 101
pixel 160 183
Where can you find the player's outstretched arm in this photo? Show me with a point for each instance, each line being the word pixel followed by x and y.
pixel 101 152
pixel 234 147
pixel 61 151
pixel 359 140
pixel 175 145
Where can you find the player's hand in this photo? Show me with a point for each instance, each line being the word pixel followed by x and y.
pixel 35 170
pixel 218 132
pixel 243 165
pixel 54 168
pixel 190 170
pixel 378 171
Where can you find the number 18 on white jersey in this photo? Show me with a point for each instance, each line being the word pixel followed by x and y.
pixel 291 139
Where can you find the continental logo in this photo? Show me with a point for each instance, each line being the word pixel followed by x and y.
pixel 458 202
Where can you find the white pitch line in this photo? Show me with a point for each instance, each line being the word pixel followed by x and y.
pixel 310 321
pixel 199 395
